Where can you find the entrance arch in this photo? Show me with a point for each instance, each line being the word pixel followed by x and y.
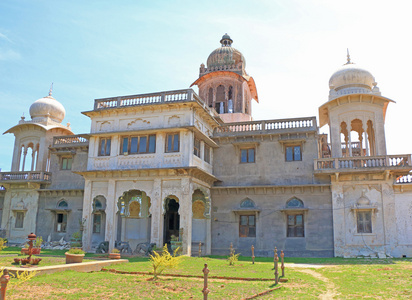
pixel 171 218
pixel 134 219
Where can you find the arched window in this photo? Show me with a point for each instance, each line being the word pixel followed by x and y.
pixel 247 203
pixel 294 203
pixel 62 204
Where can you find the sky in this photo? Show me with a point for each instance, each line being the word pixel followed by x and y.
pixel 97 49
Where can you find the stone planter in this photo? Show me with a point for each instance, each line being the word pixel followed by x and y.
pixel 35 251
pixel 73 258
pixel 115 256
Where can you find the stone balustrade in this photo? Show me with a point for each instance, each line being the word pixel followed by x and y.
pixel 291 125
pixel 69 140
pixel 25 176
pixel 404 179
pixel 187 95
pixel 363 162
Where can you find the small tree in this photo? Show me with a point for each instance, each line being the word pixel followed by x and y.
pixel 161 262
pixel 233 258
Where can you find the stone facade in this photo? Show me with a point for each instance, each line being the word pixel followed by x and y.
pixel 167 164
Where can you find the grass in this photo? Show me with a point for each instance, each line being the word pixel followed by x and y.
pixel 337 277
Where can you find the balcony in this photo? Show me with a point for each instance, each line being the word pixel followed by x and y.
pixel 16 177
pixel 406 179
pixel 267 126
pixel 70 141
pixel 176 96
pixel 363 163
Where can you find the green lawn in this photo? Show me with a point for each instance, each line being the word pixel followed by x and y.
pixel 337 278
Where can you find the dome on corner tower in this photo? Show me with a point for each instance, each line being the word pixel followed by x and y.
pixel 351 76
pixel 47 107
pixel 226 55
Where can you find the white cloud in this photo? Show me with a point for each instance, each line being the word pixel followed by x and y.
pixel 8 54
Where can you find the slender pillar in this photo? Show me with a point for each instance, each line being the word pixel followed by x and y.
pixel 87 215
pixel 24 158
pixel 366 143
pixel 156 209
pixel 111 222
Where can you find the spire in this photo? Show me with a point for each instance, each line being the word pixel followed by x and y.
pixel 348 57
pixel 51 90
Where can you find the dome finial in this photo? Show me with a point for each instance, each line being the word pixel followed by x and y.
pixel 51 90
pixel 226 41
pixel 348 57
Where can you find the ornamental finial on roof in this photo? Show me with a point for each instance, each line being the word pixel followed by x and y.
pixel 51 90
pixel 348 57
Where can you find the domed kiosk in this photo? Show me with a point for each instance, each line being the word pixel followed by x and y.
pixel 34 137
pixel 225 85
pixel 355 113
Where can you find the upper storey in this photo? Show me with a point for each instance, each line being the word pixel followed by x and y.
pixel 225 85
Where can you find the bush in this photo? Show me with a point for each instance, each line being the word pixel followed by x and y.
pixel 233 258
pixel 76 251
pixel 38 242
pixel 115 250
pixel 164 261
pixel 3 243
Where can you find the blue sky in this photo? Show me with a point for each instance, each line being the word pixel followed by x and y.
pixel 95 49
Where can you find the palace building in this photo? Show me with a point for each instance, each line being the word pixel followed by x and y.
pixel 200 168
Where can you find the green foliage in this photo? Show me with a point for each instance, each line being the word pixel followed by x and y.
pixel 76 251
pixel 20 278
pixel 115 250
pixel 3 244
pixel 76 244
pixel 161 262
pixel 38 242
pixel 76 235
pixel 233 258
pixel 174 238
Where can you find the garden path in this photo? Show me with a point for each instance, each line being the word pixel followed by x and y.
pixel 330 286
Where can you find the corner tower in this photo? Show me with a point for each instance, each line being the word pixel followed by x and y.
pixel 355 113
pixel 225 85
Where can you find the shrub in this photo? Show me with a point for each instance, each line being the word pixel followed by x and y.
pixel 233 258
pixel 2 243
pixel 76 236
pixel 76 251
pixel 115 250
pixel 21 277
pixel 39 241
pixel 164 261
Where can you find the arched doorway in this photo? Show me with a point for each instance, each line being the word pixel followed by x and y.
pixel 171 219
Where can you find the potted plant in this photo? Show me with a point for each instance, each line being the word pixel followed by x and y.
pixel 74 256
pixel 37 246
pixel 115 254
pixel 175 243
pixel 25 249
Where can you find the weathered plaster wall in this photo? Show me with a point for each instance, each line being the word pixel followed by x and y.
pixel 271 224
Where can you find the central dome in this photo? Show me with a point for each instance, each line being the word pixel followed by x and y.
pixel 47 107
pixel 226 55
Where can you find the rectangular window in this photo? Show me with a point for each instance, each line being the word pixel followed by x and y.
pixel 293 153
pixel 247 155
pixel 61 222
pixel 295 226
pixel 364 220
pixel 104 148
pixel 138 144
pixel 196 150
pixel 207 153
pixel 97 221
pixel 67 163
pixel 172 142
pixel 19 220
pixel 247 226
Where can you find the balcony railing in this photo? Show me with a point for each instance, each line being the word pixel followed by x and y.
pixel 25 176
pixel 363 162
pixel 70 140
pixel 404 179
pixel 296 124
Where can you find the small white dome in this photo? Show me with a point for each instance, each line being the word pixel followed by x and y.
pixel 48 107
pixel 351 76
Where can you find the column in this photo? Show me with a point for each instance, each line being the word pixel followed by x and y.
pixel 185 212
pixel 366 143
pixel 33 155
pixel 335 139
pixel 87 215
pixel 24 158
pixel 156 210
pixel 111 214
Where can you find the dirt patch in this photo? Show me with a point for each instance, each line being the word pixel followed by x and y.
pixel 330 286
